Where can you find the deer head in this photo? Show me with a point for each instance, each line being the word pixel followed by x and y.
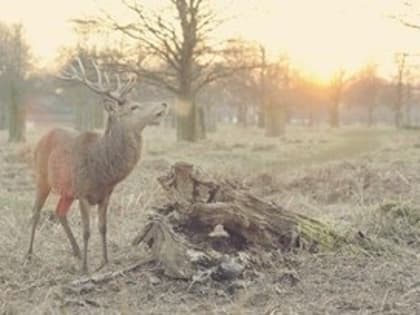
pixel 119 108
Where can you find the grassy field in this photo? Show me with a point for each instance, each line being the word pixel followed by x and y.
pixel 363 181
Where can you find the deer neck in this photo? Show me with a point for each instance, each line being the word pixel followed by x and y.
pixel 120 147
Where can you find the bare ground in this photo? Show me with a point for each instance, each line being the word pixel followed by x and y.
pixel 359 181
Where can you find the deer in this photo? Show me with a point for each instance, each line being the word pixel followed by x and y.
pixel 87 166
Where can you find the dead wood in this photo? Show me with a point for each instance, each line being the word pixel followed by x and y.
pixel 219 220
pixel 207 203
pixel 89 283
pixel 167 248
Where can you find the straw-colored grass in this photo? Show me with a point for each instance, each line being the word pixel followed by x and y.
pixel 347 177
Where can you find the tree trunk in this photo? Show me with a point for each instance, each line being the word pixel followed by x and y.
pixel 260 117
pixel 211 119
pixel 170 119
pixel 334 117
pixel 275 120
pixel 311 117
pixel 262 112
pixel 243 114
pixel 17 115
pixel 398 106
pixel 398 116
pixel 370 117
pixel 408 114
pixel 3 116
pixel 200 123
pixel 399 101
pixel 190 119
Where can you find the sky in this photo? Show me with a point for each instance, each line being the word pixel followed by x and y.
pixel 318 36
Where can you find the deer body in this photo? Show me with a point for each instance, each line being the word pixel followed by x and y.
pixel 87 166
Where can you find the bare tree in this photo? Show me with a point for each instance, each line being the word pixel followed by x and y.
pixel 14 65
pixel 307 97
pixel 276 93
pixel 401 61
pixel 409 14
pixel 409 19
pixel 371 91
pixel 263 92
pixel 336 88
pixel 365 91
pixel 243 87
pixel 180 55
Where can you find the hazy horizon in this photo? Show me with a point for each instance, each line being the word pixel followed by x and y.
pixel 318 37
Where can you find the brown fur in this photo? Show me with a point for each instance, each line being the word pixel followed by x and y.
pixel 87 167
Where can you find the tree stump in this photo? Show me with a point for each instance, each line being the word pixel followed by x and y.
pixel 207 223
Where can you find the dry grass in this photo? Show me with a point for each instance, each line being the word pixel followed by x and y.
pixel 345 177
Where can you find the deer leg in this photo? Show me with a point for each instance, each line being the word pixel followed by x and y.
pixel 102 225
pixel 41 197
pixel 70 236
pixel 84 211
pixel 63 207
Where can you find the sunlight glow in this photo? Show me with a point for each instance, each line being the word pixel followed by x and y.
pixel 318 36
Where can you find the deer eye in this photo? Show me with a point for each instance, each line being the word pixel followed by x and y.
pixel 134 107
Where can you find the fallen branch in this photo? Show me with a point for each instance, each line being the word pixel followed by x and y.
pixel 87 284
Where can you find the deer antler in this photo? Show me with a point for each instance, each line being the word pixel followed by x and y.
pixel 102 87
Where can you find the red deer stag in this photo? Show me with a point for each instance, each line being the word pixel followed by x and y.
pixel 87 166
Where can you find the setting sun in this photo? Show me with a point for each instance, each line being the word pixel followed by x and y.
pixel 318 36
pixel 322 36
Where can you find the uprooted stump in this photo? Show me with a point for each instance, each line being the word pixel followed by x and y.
pixel 207 224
